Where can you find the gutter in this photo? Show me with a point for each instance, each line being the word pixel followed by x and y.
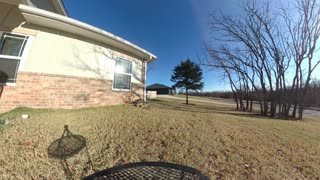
pixel 145 66
pixel 41 17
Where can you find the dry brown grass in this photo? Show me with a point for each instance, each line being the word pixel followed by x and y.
pixel 212 138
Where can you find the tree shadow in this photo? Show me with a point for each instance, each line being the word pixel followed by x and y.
pixel 92 61
pixel 67 146
pixel 102 67
pixel 247 114
pixel 1 91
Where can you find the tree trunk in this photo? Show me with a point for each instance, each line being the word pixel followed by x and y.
pixel 261 107
pixel 265 107
pixel 272 108
pixel 241 104
pixel 301 111
pixel 251 99
pixel 187 98
pixel 247 103
pixel 280 115
pixel 294 112
pixel 287 111
pixel 237 102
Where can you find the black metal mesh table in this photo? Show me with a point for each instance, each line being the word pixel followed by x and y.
pixel 148 170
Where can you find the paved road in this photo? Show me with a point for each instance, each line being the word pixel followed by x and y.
pixel 308 112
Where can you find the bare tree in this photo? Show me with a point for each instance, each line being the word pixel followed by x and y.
pixel 304 33
pixel 259 48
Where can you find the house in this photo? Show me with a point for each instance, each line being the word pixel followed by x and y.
pixel 48 60
pixel 161 89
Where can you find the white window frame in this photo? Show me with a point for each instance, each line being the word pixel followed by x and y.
pixel 128 74
pixel 22 54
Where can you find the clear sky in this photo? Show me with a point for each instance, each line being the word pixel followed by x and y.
pixel 173 30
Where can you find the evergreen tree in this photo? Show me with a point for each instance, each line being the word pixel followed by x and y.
pixel 187 75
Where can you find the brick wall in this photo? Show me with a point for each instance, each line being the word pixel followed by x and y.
pixel 37 90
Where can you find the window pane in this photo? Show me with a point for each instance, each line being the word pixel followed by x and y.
pixel 121 81
pixel 11 46
pixel 8 70
pixel 123 66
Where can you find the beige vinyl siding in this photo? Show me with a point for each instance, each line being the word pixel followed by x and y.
pixel 59 54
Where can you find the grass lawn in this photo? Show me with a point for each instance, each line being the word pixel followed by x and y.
pixel 213 138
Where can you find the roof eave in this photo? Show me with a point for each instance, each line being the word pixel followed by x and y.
pixel 55 21
pixel 59 5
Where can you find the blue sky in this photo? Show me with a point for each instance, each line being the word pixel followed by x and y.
pixel 173 30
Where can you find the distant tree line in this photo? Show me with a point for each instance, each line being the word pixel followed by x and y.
pixel 267 54
pixel 217 94
pixel 312 98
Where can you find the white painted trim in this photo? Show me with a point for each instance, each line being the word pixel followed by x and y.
pixel 127 90
pixel 23 58
pixel 145 81
pixel 25 53
pixel 10 57
pixel 8 84
pixel 55 21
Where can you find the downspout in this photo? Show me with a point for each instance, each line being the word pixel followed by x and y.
pixel 23 23
pixel 144 64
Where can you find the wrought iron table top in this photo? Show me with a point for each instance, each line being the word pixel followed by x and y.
pixel 149 170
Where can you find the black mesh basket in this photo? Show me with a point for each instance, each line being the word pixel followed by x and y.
pixel 148 170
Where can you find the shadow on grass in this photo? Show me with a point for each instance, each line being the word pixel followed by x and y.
pixel 248 114
pixel 66 146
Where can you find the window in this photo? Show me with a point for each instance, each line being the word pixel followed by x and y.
pixel 122 75
pixel 11 49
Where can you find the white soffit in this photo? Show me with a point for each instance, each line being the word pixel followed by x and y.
pixel 55 21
